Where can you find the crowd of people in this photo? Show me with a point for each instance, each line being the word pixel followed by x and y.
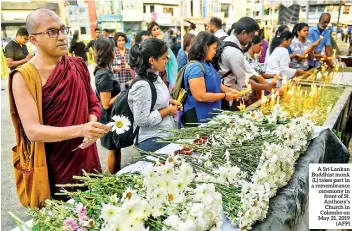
pixel 54 107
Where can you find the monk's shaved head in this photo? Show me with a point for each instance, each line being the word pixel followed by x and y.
pixel 35 18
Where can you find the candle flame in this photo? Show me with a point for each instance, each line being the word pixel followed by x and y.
pixel 242 106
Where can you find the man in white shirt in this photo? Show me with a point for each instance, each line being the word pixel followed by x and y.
pixel 215 27
pixel 233 59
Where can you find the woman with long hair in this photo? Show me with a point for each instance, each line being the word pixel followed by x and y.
pixel 149 59
pixel 278 59
pixel 205 87
pixel 182 56
pixel 107 89
pixel 302 48
pixel 171 66
pixel 120 65
pixel 252 56
pixel 77 48
pixel 265 45
pixel 281 29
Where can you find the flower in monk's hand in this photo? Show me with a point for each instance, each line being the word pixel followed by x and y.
pixel 120 124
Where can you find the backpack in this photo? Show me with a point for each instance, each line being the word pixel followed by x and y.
pixel 121 108
pixel 180 79
pixel 219 49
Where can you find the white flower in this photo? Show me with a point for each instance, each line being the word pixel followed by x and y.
pixel 169 171
pixel 145 209
pixel 114 199
pixel 173 221
pixel 227 156
pixel 171 187
pixel 110 227
pixel 120 124
pixel 181 185
pixel 129 194
pixel 131 210
pixel 208 164
pixel 186 173
pixel 109 213
pixel 160 196
pixel 188 225
pixel 157 210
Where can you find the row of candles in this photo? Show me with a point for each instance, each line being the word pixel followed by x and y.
pixel 297 100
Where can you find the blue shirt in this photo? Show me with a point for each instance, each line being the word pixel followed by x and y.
pixel 178 45
pixel 171 68
pixel 212 84
pixel 314 34
pixel 182 59
pixel 349 30
pixel 128 44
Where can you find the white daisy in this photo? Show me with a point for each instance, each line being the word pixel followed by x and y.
pixel 120 124
pixel 109 212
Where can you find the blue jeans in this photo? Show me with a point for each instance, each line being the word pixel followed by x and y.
pixel 150 145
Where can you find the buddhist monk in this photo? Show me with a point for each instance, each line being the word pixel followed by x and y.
pixel 70 108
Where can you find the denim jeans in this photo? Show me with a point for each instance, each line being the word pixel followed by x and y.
pixel 150 145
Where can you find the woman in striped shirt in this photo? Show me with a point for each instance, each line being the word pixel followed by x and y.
pixel 120 64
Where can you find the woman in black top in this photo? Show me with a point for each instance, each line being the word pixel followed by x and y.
pixel 107 89
pixel 78 48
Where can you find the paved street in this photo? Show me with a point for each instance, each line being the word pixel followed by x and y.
pixel 9 199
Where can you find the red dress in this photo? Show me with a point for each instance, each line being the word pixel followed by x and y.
pixel 68 100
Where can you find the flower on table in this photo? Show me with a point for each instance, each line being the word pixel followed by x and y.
pixel 81 212
pixel 173 221
pixel 129 194
pixel 255 204
pixel 109 213
pixel 120 124
pixel 70 224
pixel 254 115
pixel 114 199
pixel 186 173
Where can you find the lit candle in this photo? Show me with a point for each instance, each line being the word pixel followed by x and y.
pixel 272 99
pixel 289 95
pixel 263 102
pixel 181 95
pixel 293 95
pixel 334 53
pixel 323 68
pixel 305 100
pixel 246 90
pixel 242 106
pixel 284 86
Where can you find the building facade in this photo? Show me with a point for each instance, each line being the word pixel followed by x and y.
pixel 14 14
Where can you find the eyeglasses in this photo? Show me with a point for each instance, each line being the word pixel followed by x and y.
pixel 54 33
